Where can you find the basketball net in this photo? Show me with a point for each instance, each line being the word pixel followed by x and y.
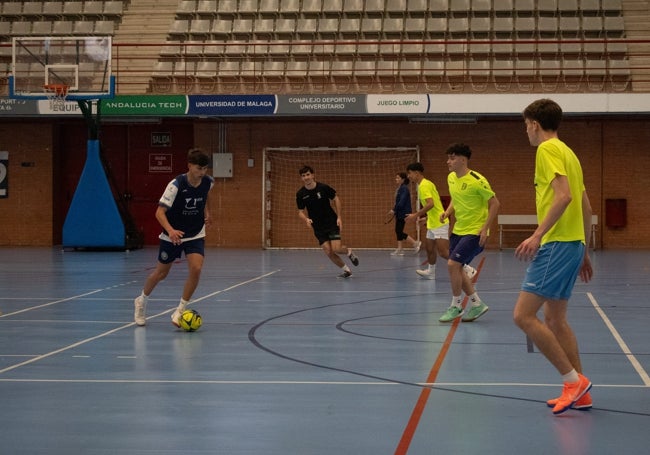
pixel 56 94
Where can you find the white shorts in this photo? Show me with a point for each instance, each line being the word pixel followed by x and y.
pixel 441 232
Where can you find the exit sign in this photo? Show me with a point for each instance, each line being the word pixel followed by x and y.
pixel 161 139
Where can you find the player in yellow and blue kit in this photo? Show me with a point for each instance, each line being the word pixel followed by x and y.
pixel 558 252
pixel 474 206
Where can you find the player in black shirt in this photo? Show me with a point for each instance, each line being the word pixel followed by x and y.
pixel 315 209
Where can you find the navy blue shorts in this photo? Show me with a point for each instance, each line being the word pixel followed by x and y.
pixel 464 248
pixel 168 252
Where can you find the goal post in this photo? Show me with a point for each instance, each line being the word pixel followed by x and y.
pixel 364 179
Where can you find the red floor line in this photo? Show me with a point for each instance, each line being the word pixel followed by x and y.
pixel 421 403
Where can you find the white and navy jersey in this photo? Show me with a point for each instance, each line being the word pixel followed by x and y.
pixel 186 206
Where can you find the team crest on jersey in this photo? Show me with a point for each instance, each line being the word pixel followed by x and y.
pixel 190 203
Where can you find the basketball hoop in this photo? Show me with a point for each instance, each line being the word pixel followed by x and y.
pixel 57 94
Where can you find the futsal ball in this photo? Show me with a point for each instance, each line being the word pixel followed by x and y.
pixel 191 320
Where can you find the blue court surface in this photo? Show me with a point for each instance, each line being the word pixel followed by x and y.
pixel 293 360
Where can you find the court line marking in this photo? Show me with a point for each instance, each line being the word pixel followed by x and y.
pixel 418 410
pixel 619 339
pixel 278 382
pixel 117 329
pixel 37 307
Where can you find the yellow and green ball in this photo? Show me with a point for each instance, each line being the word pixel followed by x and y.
pixel 191 320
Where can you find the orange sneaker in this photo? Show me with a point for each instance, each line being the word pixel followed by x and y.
pixel 571 393
pixel 583 404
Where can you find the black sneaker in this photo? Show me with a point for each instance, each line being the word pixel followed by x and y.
pixel 354 259
pixel 345 274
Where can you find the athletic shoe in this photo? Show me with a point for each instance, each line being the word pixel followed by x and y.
pixel 452 313
pixel 416 248
pixel 427 273
pixel 354 259
pixel 583 404
pixel 571 393
pixel 469 271
pixel 345 274
pixel 475 312
pixel 397 252
pixel 176 316
pixel 139 314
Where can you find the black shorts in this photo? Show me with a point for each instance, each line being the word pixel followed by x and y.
pixel 327 235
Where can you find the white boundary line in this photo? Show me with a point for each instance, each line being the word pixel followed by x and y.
pixel 117 329
pixel 351 383
pixel 635 363
pixel 24 310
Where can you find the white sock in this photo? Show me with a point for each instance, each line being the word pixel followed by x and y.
pixel 346 268
pixel 475 299
pixel 571 376
pixel 456 301
pixel 432 267
pixel 145 298
pixel 182 305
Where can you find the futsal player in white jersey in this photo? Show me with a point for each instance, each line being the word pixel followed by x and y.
pixel 183 215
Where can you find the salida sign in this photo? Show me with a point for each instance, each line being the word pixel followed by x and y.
pixel 161 139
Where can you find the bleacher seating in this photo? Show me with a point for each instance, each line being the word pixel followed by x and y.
pixel 57 18
pixel 474 42
pixel 479 45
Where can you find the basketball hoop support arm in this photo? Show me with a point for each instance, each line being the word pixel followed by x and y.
pixel 93 122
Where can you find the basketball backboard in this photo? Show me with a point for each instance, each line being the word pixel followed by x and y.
pixel 81 64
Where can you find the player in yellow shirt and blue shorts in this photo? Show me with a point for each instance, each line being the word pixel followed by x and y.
pixel 474 206
pixel 558 253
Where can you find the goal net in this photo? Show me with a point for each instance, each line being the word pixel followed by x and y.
pixel 364 180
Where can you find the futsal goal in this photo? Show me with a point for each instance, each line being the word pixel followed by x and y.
pixel 364 180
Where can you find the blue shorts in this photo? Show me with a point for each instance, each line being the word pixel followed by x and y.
pixel 464 248
pixel 554 270
pixel 168 252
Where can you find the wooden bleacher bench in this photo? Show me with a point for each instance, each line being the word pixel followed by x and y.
pixel 528 223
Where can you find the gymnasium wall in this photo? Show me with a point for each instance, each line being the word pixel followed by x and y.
pixel 26 215
pixel 614 152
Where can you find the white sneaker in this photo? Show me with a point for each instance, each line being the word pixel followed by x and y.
pixel 416 248
pixel 427 273
pixel 469 271
pixel 176 316
pixel 397 252
pixel 139 314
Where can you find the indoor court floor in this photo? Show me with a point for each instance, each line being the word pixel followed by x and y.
pixel 293 360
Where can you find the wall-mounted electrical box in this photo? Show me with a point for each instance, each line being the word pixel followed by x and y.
pixel 222 164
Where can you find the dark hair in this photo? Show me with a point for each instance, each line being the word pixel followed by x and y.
pixel 415 167
pixel 459 149
pixel 546 112
pixel 404 177
pixel 305 168
pixel 198 157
